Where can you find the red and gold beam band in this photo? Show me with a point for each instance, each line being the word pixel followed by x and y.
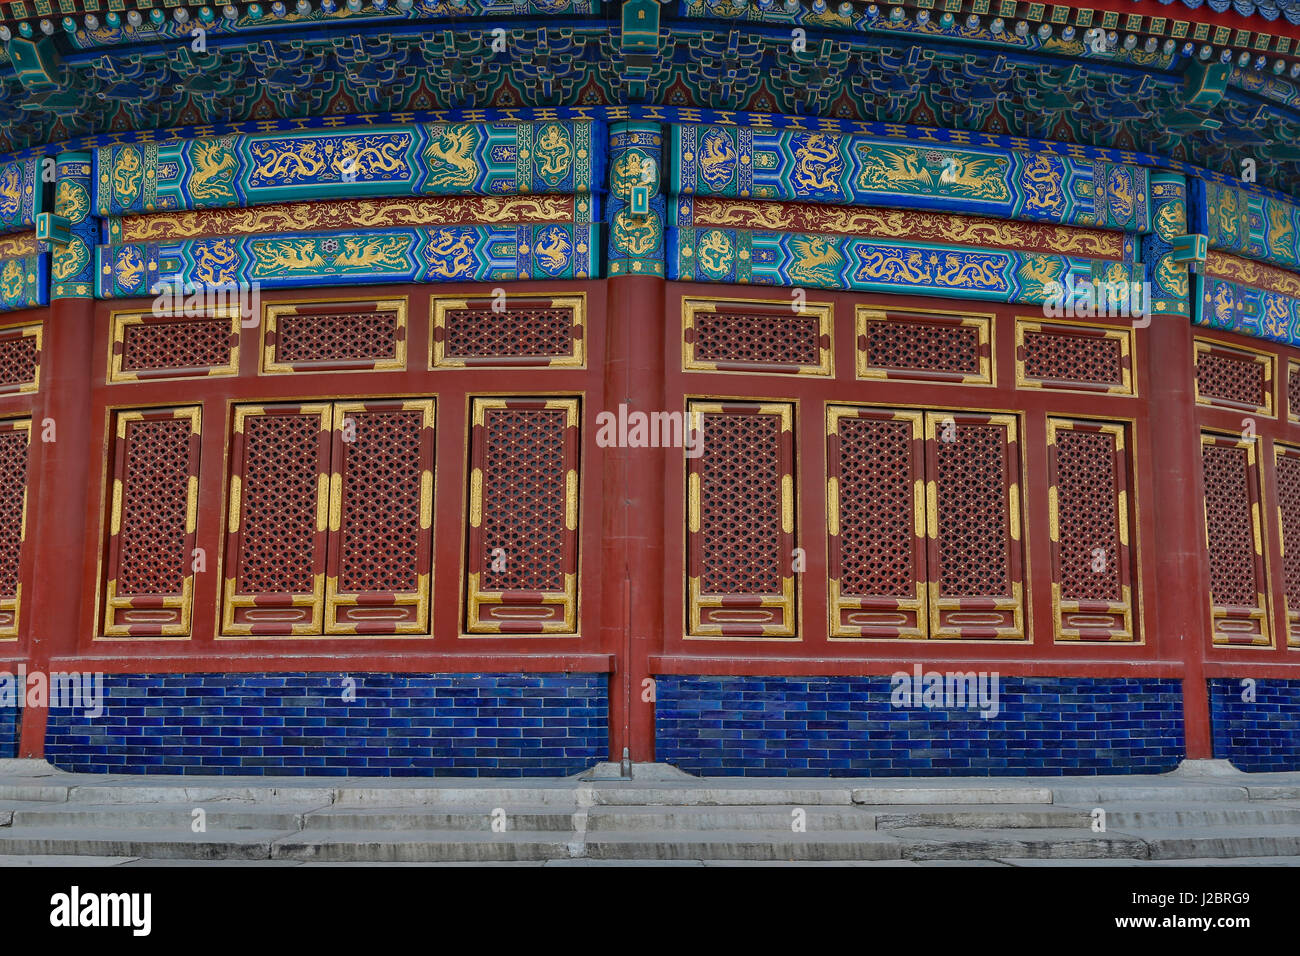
pixel 345 214
pixel 879 223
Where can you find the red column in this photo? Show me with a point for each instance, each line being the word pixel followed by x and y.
pixel 56 530
pixel 632 552
pixel 1182 566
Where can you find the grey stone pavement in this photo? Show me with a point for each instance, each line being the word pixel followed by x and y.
pixel 1204 814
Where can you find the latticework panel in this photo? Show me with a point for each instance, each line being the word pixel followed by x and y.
pixel 523 516
pixel 275 552
pixel 1091 560
pixel 522 330
pixel 348 335
pixel 14 437
pixel 748 336
pixel 1293 391
pixel 147 347
pixel 876 522
pixel 20 358
pixel 1234 540
pixel 149 589
pixel 973 518
pixel 1075 357
pixel 1234 378
pixel 1288 514
pixel 741 521
pixel 380 518
pixel 950 347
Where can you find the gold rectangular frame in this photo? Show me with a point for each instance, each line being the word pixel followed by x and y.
pixel 272 312
pixel 1015 603
pixel 24 331
pixel 787 600
pixel 230 599
pixel 1266 359
pixel 1292 414
pixel 1260 612
pixel 824 312
pixel 441 305
pixel 11 607
pixel 984 322
pixel 1290 615
pixel 477 599
pixel 836 601
pixel 183 602
pixel 1122 609
pixel 334 598
pixel 119 322
pixel 1122 333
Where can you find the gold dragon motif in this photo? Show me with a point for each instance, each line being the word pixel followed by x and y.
pixel 449 253
pixel 11 190
pixel 286 162
pixel 555 152
pixel 128 172
pixel 817 165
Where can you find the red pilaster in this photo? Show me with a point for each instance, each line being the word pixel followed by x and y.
pixel 1182 566
pixel 632 551
pixel 56 533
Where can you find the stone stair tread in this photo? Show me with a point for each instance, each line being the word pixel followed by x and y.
pixel 1182 861
pixel 62 859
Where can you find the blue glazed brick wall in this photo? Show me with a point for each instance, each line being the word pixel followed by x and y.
pixel 1260 735
pixel 845 726
pixel 9 731
pixel 489 725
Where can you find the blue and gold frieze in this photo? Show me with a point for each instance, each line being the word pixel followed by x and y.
pixel 636 224
pixel 830 168
pixel 459 253
pixel 1241 295
pixel 849 262
pixel 24 272
pixel 443 159
pixel 1167 275
pixel 1253 226
pixel 72 269
pixel 20 194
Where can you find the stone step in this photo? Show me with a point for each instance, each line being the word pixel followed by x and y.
pixel 965 793
pixel 165 817
pixel 598 818
pixel 993 816
pixel 123 842
pixel 433 846
pixel 1186 862
pixel 1131 816
pixel 1222 842
pixel 950 843
pixel 1098 793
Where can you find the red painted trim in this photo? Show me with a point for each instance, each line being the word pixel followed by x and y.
pixel 852 667
pixel 633 554
pixel 412 663
pixel 56 532
pixel 1182 602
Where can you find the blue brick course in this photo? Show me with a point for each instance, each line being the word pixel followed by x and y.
pixel 1260 735
pixel 9 731
pixel 448 725
pixel 846 726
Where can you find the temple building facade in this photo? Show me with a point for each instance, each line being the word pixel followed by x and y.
pixel 762 387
